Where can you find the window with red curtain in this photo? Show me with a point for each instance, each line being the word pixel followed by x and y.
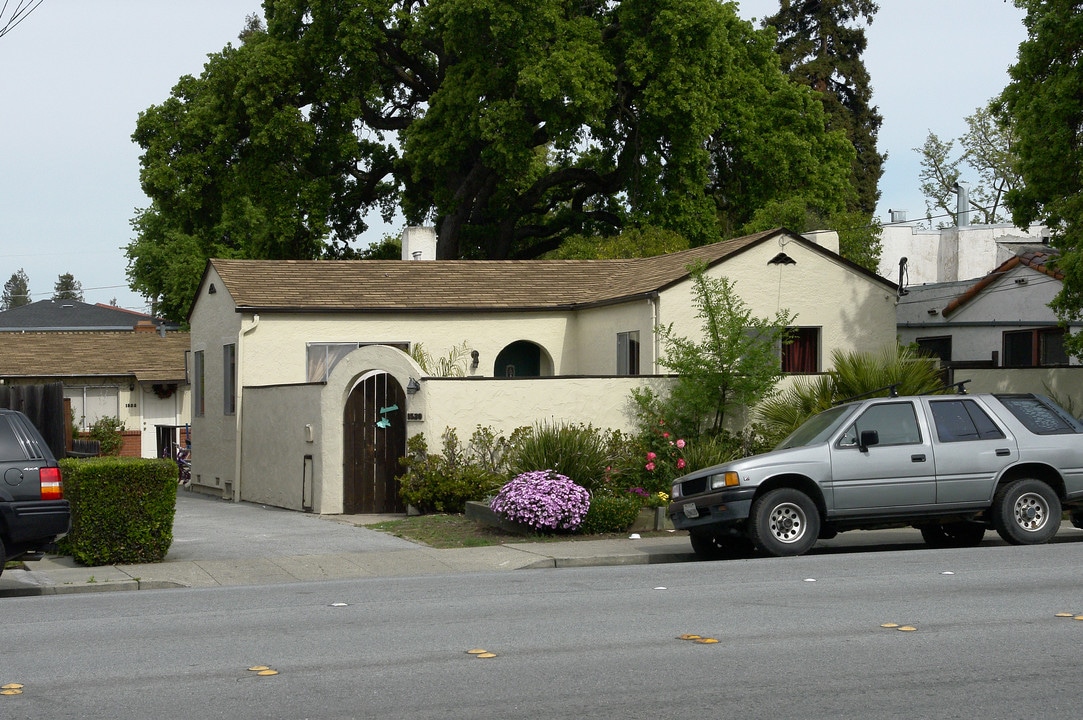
pixel 802 353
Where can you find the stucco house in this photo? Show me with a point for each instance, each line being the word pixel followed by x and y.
pixel 112 362
pixel 1001 319
pixel 304 391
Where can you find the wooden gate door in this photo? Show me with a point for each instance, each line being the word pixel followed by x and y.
pixel 374 438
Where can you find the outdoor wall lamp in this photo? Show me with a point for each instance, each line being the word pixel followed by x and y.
pixel 474 359
pixel 412 386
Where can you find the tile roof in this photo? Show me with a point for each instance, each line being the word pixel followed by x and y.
pixel 69 315
pixel 1039 260
pixel 144 355
pixel 458 285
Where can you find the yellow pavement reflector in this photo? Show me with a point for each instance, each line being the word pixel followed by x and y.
pixel 257 668
pixel 485 655
pixel 268 671
pixel 1062 614
pixel 476 651
pixel 889 625
pixel 11 691
pixel 907 628
pixel 688 637
pixel 12 686
pixel 707 641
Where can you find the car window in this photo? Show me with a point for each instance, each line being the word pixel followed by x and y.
pixel 960 420
pixel 816 429
pixel 10 448
pixel 895 423
pixel 1037 416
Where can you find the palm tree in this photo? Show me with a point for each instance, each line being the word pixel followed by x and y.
pixel 855 374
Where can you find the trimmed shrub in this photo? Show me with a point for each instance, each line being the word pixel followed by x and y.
pixel 609 514
pixel 543 500
pixel 445 482
pixel 122 509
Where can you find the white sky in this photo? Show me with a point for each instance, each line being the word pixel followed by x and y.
pixel 75 75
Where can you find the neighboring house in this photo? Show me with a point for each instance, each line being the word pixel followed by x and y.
pixel 74 316
pixel 303 392
pixel 914 256
pixel 112 362
pixel 1000 320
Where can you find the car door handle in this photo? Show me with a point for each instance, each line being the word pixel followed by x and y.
pixel 917 458
pixel 1003 452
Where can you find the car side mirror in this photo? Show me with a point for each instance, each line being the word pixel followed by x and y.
pixel 868 439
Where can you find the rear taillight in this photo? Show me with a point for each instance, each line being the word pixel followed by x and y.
pixel 51 487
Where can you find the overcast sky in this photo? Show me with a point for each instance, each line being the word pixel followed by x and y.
pixel 75 75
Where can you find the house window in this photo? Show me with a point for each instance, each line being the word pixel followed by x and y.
pixel 229 378
pixel 321 358
pixel 802 353
pixel 198 392
pixel 936 347
pixel 89 404
pixel 1034 348
pixel 628 353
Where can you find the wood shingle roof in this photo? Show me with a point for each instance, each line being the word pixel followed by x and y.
pixel 146 356
pixel 460 285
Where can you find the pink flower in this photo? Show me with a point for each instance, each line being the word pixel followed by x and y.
pixel 665 435
pixel 680 463
pixel 649 466
pixel 680 443
pixel 651 456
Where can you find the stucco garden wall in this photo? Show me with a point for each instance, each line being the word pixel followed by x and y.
pixel 282 445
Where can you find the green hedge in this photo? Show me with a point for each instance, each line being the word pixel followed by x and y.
pixel 609 514
pixel 122 509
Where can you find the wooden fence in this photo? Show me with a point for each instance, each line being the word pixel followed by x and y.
pixel 44 405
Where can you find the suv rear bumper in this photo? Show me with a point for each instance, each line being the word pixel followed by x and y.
pixel 727 507
pixel 30 524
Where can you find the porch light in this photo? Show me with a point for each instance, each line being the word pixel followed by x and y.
pixel 412 386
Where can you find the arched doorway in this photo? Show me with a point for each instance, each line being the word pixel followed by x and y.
pixel 373 440
pixel 521 358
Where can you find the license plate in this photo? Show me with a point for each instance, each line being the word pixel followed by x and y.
pixel 690 510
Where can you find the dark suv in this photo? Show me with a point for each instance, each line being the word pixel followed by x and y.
pixel 33 511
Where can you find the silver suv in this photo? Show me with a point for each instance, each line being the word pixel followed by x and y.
pixel 950 465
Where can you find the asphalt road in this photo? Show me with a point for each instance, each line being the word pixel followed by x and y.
pixel 796 638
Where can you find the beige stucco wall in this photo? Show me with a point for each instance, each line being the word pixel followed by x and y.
pixel 594 350
pixel 215 324
pixel 854 312
pixel 1064 384
pixel 276 350
pixel 283 441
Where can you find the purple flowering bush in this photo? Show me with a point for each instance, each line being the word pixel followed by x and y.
pixel 543 500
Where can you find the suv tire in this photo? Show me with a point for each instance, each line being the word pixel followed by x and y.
pixel 953 535
pixel 1026 512
pixel 784 522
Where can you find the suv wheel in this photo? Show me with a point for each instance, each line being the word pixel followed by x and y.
pixel 709 546
pixel 1026 512
pixel 784 522
pixel 1077 518
pixel 953 535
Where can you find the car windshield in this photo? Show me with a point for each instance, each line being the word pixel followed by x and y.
pixel 817 428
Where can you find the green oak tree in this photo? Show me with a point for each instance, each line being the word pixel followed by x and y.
pixel 508 126
pixel 821 47
pixel 1043 102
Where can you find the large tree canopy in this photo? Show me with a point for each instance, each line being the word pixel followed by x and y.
pixel 821 47
pixel 509 126
pixel 1043 104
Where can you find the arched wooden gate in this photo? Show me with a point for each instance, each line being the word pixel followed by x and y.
pixel 374 438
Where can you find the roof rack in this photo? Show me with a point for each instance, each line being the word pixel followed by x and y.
pixel 893 391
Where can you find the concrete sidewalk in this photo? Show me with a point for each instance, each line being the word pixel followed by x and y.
pixel 218 543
